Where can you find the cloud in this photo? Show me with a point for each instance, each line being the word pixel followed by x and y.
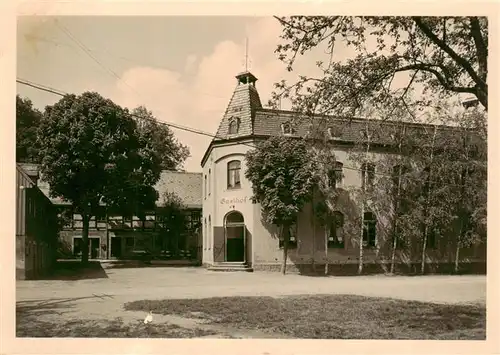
pixel 190 63
pixel 198 97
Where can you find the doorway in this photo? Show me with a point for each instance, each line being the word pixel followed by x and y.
pixel 94 245
pixel 95 249
pixel 234 230
pixel 116 247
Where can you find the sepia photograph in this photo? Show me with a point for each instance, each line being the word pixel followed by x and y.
pixel 251 177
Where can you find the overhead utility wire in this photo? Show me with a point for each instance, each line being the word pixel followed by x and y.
pixel 86 50
pixel 67 45
pixel 180 127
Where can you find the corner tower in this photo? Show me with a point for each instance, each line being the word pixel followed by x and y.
pixel 238 118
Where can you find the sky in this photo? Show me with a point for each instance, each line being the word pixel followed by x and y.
pixel 181 68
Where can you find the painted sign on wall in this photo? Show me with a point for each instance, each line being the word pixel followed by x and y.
pixel 227 201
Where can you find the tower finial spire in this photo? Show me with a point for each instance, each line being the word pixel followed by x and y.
pixel 246 53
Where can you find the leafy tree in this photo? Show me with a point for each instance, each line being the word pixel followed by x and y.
pixel 172 220
pixel 93 153
pixel 443 55
pixel 326 177
pixel 172 153
pixel 465 159
pixel 27 121
pixel 282 182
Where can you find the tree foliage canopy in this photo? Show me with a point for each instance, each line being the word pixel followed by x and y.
pixel 281 176
pixel 93 152
pixel 172 153
pixel 27 121
pixel 445 55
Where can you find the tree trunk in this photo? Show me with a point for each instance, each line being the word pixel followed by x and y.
pixel 363 202
pixel 360 265
pixel 457 258
pixel 85 238
pixel 427 203
pixel 314 234
pixel 393 254
pixel 326 251
pixel 396 210
pixel 286 237
pixel 457 250
pixel 424 249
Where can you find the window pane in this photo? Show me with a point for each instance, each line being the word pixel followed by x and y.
pixel 234 217
pixel 236 177
pixel 233 174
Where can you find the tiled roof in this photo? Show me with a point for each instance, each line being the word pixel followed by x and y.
pixel 268 122
pixel 30 169
pixel 242 106
pixel 188 186
pixel 45 188
pixel 256 121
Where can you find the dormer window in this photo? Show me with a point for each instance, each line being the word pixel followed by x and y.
pixel 287 129
pixel 234 125
pixel 333 133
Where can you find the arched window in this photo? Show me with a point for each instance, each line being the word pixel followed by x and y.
pixel 205 235
pixel 336 175
pixel 400 185
pixel 209 233
pixel 369 229
pixel 335 235
pixel 399 171
pixel 234 125
pixel 367 176
pixel 233 218
pixel 427 179
pixel 209 181
pixel 233 174
pixel 292 241
pixel 205 186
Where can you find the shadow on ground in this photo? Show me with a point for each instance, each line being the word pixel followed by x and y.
pixel 46 319
pixel 54 306
pixel 72 270
pixel 127 264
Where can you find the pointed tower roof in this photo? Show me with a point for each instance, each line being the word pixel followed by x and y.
pixel 238 118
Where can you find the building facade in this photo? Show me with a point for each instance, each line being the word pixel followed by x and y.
pixel 36 226
pixel 113 236
pixel 233 228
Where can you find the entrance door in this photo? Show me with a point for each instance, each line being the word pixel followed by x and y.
pixel 235 237
pixel 235 243
pixel 94 247
pixel 116 247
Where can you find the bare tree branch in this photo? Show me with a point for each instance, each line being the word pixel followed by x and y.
pixel 481 84
pixel 481 48
pixel 442 80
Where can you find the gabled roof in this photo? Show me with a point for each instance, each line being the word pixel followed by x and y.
pixel 21 172
pixel 188 186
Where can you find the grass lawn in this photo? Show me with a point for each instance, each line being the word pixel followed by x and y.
pixel 103 329
pixel 331 316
